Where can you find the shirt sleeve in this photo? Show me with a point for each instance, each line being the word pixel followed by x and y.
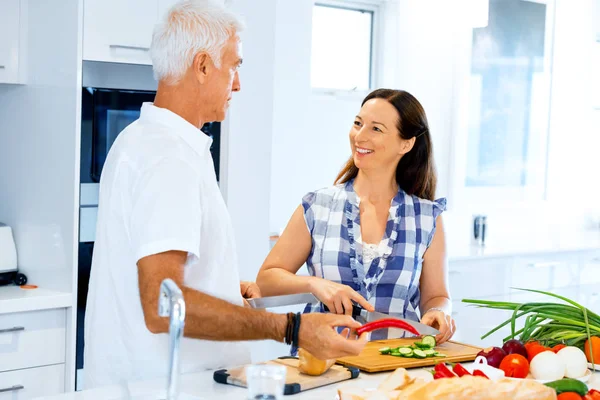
pixel 166 210
pixel 309 216
pixel 438 207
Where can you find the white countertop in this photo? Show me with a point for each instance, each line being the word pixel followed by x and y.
pixel 523 243
pixel 15 299
pixel 202 387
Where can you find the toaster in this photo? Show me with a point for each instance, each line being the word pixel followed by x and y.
pixel 9 272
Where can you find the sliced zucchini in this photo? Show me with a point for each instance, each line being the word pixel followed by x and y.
pixel 395 354
pixel 430 353
pixel 385 350
pixel 419 354
pixel 423 346
pixel 440 354
pixel 406 352
pixel 429 341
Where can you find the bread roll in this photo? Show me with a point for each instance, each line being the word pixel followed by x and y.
pixel 310 365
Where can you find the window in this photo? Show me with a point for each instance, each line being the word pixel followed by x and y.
pixel 342 47
pixel 509 99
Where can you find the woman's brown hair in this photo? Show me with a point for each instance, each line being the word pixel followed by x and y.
pixel 415 173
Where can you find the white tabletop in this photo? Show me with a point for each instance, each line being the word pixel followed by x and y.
pixel 201 386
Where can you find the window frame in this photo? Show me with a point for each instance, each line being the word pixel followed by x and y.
pixel 373 7
pixel 485 198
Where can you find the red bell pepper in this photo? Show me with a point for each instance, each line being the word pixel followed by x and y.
pixel 387 323
pixel 460 370
pixel 442 371
pixel 479 372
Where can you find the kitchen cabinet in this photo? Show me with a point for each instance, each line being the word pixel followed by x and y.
pixel 121 30
pixel 31 383
pixel 32 353
pixel 12 37
pixel 118 30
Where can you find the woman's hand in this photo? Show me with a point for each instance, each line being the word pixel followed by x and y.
pixel 442 322
pixel 249 290
pixel 338 298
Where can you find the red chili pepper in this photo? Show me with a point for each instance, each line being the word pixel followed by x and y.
pixel 479 372
pixel 387 323
pixel 460 370
pixel 442 371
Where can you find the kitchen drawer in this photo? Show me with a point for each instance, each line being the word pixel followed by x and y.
pixel 479 278
pixel 535 272
pixel 30 383
pixel 590 270
pixel 32 339
pixel 473 322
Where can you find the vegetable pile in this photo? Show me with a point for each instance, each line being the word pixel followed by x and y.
pixel 550 324
pixel 554 345
pixel 423 349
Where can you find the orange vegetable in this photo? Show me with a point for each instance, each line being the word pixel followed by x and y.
pixel 558 347
pixel 536 349
pixel 595 349
pixel 515 366
pixel 569 396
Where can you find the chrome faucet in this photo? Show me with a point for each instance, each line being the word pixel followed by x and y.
pixel 171 304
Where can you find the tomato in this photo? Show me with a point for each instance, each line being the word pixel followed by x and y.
pixel 592 395
pixel 569 396
pixel 595 349
pixel 515 366
pixel 536 349
pixel 558 347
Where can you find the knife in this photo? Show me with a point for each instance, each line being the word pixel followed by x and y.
pixel 285 300
pixel 363 316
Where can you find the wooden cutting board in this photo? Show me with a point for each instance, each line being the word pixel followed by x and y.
pixel 370 360
pixel 295 381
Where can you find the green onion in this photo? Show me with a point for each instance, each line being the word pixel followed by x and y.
pixel 548 323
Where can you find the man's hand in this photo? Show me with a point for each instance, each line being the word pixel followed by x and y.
pixel 249 290
pixel 319 337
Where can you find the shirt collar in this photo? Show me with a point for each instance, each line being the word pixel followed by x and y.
pixel 193 136
pixel 349 187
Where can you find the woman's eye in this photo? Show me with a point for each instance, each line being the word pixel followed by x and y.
pixel 357 123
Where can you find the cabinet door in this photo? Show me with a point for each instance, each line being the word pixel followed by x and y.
pixel 9 41
pixel 118 30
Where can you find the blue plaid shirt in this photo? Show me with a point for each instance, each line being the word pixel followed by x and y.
pixel 391 284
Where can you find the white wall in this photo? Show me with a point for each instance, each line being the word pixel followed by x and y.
pixel 573 146
pixel 247 137
pixel 310 130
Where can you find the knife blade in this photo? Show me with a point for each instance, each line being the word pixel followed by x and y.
pixel 370 316
pixel 363 316
pixel 280 301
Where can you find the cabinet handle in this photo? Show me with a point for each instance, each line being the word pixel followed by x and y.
pixel 12 389
pixel 121 46
pixel 14 329
pixel 2 67
pixel 543 264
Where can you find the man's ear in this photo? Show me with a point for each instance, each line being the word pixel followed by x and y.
pixel 202 65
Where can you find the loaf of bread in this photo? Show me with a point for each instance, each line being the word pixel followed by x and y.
pixel 400 386
pixel 478 388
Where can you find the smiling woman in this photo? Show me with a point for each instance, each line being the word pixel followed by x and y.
pixel 376 237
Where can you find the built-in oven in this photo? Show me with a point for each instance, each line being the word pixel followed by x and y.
pixel 105 113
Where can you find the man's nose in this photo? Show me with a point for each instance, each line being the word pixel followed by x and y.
pixel 236 82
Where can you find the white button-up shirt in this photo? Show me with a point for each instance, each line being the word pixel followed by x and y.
pixel 158 192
